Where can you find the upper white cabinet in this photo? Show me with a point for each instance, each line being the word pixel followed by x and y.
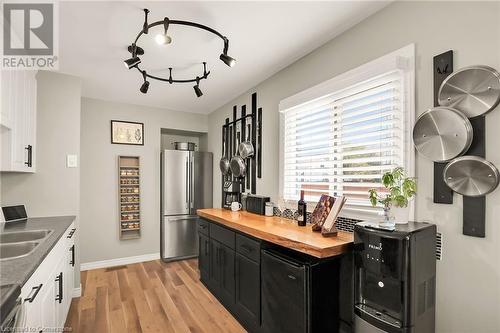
pixel 18 121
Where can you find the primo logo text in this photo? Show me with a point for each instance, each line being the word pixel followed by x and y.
pixel 375 247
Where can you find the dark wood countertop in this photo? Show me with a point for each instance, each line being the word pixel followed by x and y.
pixel 281 232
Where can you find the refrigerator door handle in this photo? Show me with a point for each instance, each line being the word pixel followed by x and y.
pixel 191 184
pixel 183 217
pixel 187 183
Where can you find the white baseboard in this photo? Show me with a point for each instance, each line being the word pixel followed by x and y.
pixel 119 261
pixel 77 292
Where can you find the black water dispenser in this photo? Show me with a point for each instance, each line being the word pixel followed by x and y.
pixel 395 278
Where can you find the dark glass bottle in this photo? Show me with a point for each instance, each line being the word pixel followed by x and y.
pixel 302 210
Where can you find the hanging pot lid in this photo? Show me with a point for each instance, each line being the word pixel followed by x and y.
pixel 471 176
pixel 442 134
pixel 473 90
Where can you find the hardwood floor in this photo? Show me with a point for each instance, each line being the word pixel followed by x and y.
pixel 148 297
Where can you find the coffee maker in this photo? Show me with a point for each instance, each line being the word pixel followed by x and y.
pixel 395 278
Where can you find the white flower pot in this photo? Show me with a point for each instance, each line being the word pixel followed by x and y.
pixel 400 214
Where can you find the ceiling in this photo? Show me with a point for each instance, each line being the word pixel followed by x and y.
pixel 264 38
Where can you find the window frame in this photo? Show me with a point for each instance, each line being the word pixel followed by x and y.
pixel 402 60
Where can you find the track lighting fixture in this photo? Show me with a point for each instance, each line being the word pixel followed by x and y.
pixel 227 60
pixel 164 39
pixel 224 57
pixel 132 62
pixel 197 89
pixel 145 26
pixel 145 85
pixel 135 60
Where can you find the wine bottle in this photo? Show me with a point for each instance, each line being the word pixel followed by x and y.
pixel 302 210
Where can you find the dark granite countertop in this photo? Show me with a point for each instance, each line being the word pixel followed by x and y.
pixel 18 271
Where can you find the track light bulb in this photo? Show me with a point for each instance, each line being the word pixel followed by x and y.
pixel 132 62
pixel 227 60
pixel 163 39
pixel 144 87
pixel 197 90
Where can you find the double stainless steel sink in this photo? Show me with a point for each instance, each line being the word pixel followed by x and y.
pixel 19 244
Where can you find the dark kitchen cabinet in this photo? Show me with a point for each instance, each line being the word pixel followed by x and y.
pixel 226 263
pixel 229 267
pixel 215 273
pixel 270 289
pixel 247 302
pixel 204 257
pixel 222 278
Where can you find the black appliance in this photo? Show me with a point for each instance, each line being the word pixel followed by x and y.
pixel 14 213
pixel 299 294
pixel 257 204
pixel 231 193
pixel 395 278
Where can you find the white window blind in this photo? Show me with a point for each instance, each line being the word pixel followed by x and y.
pixel 342 143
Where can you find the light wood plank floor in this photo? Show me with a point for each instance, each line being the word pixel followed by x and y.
pixel 148 297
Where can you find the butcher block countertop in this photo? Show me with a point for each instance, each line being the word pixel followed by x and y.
pixel 281 232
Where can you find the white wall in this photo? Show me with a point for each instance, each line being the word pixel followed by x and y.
pixel 54 189
pixel 468 282
pixel 99 190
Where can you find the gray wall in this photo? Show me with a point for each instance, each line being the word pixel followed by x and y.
pixel 53 189
pixel 99 190
pixel 468 281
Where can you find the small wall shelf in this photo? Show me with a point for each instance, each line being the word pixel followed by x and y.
pixel 129 197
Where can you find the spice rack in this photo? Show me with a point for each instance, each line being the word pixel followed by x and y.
pixel 129 197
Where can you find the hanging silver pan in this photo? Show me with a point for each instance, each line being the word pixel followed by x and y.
pixel 472 90
pixel 471 176
pixel 224 162
pixel 442 134
pixel 246 148
pixel 238 166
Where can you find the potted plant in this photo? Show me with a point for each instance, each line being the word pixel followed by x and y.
pixel 400 189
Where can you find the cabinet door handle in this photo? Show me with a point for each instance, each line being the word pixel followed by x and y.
pixel 29 163
pixel 71 233
pixel 59 280
pixel 35 292
pixel 72 262
pixel 206 248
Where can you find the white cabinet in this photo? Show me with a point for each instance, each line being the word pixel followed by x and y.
pixel 48 292
pixel 18 121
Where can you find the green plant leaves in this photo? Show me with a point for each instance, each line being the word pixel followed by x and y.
pixel 409 187
pixel 401 189
pixel 373 196
pixel 388 179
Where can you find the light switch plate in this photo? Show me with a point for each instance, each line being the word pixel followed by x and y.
pixel 71 161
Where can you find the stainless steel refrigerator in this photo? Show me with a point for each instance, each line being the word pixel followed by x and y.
pixel 186 185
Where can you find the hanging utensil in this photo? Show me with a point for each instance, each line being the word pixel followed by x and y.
pixel 246 149
pixel 471 176
pixel 224 162
pixel 238 167
pixel 473 90
pixel 442 134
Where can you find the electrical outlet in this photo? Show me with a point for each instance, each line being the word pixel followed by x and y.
pixel 71 161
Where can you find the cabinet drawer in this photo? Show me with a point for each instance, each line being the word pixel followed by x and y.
pixel 248 247
pixel 223 235
pixel 203 226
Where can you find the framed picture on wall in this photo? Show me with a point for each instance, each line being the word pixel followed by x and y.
pixel 127 133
